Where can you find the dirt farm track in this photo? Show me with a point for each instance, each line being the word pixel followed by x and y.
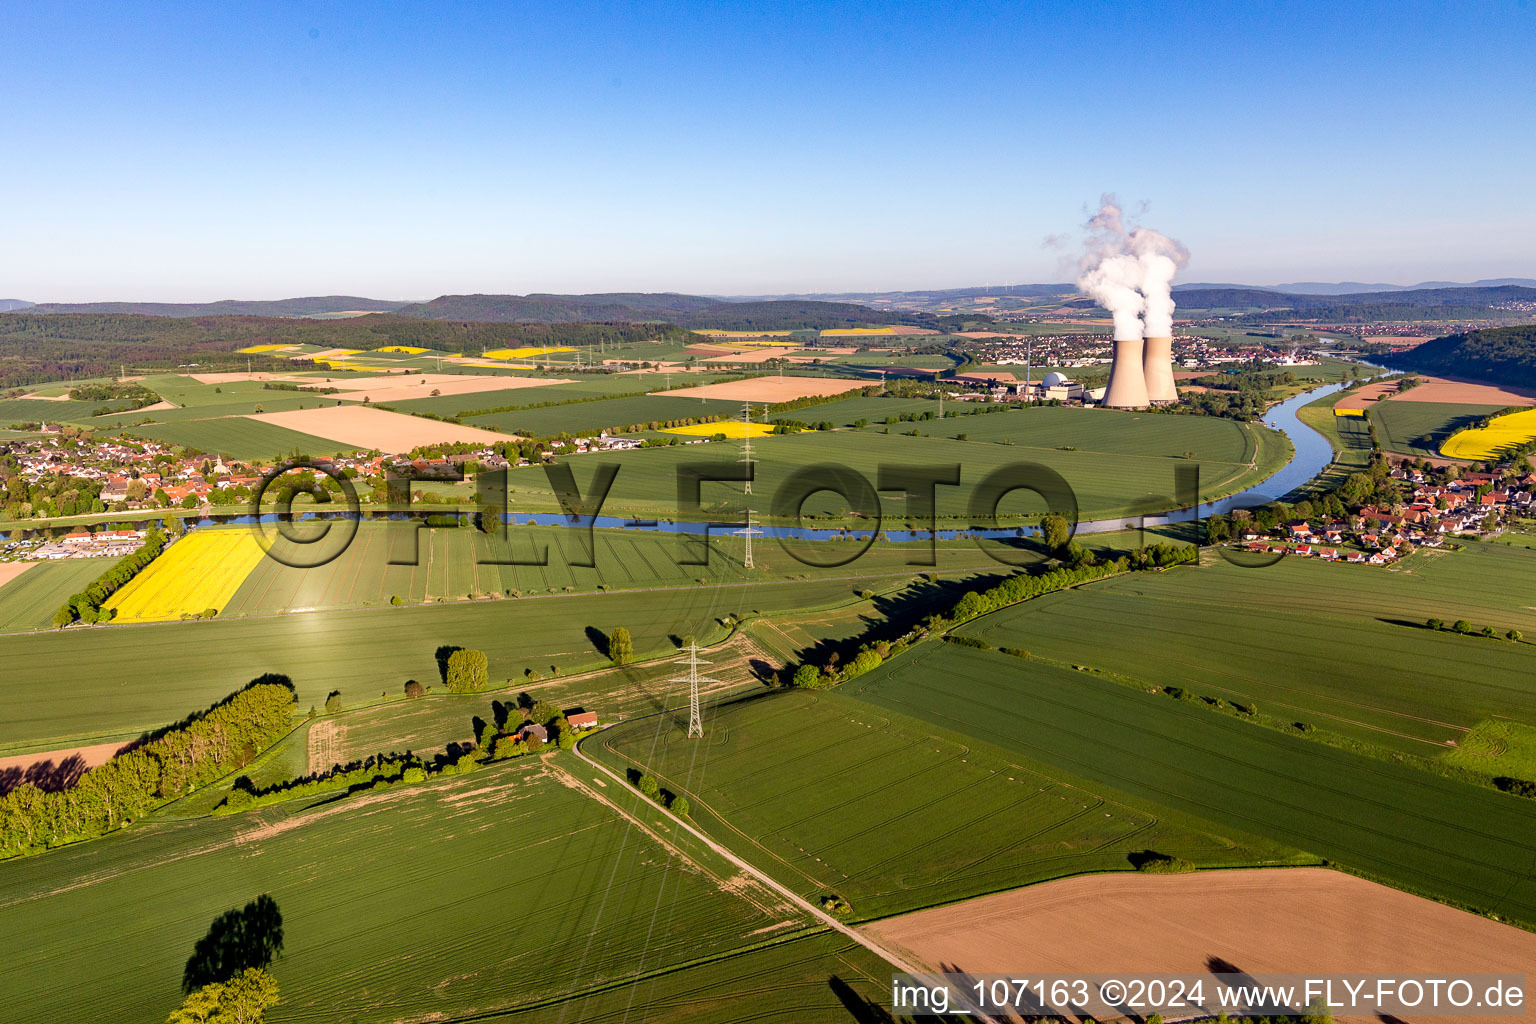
pixel 1271 920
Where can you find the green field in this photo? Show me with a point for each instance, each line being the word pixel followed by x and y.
pixel 1400 824
pixel 107 682
pixel 1132 471
pixel 483 894
pixel 452 564
pixel 583 387
pixel 29 600
pixel 592 417
pixel 238 437
pixel 1349 436
pixel 34 410
pixel 1420 428
pixel 896 816
pixel 1339 646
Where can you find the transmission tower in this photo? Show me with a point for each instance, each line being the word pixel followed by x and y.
pixel 746 456
pixel 749 532
pixel 693 679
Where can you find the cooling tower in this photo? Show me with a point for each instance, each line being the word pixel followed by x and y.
pixel 1157 369
pixel 1127 385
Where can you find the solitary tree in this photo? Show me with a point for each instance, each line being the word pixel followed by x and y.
pixel 680 806
pixel 621 649
pixel 649 786
pixel 243 999
pixel 467 671
pixel 1055 531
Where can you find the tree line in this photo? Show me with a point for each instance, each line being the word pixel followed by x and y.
pixel 975 603
pixel 162 768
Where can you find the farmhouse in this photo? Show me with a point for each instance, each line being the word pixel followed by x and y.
pixel 580 718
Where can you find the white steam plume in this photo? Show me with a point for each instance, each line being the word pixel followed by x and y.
pixel 1160 258
pixel 1113 283
pixel 1130 273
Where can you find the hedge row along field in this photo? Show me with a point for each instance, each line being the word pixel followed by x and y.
pixel 100 596
pixel 202 748
pixel 1412 829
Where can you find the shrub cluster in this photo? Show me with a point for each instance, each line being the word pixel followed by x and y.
pixel 189 754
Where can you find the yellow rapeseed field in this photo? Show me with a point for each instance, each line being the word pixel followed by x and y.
pixel 1489 442
pixel 744 334
pixel 1348 412
pixel 851 331
pixel 730 428
pixel 407 349
pixel 202 570
pixel 523 353
pixel 253 349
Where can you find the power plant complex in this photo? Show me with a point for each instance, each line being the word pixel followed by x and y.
pixel 1141 374
pixel 1130 273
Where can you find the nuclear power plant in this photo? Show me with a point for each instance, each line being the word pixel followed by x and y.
pixel 1130 273
pixel 1127 379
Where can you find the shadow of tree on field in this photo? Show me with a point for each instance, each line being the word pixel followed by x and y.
pixel 237 939
pixel 47 775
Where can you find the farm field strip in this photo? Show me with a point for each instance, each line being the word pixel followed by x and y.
pixel 901 817
pixel 1295 670
pixel 94 685
pixel 201 570
pixel 1290 919
pixel 611 902
pixel 1501 434
pixel 1107 484
pixel 1401 824
pixel 29 600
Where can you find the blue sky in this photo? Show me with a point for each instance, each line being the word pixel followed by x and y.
pixel 202 151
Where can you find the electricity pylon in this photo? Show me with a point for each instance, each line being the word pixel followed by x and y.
pixel 693 679
pixel 749 532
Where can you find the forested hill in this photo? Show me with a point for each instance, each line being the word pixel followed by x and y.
pixel 1421 304
pixel 36 348
pixel 1502 355
pixel 309 305
pixel 692 311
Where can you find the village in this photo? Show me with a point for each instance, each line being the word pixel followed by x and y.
pixel 1477 504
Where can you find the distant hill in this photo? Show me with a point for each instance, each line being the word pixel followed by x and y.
pixel 547 309
pixel 6 305
pixel 1459 302
pixel 690 311
pixel 1357 288
pixel 313 305
pixel 923 295
pixel 1503 355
